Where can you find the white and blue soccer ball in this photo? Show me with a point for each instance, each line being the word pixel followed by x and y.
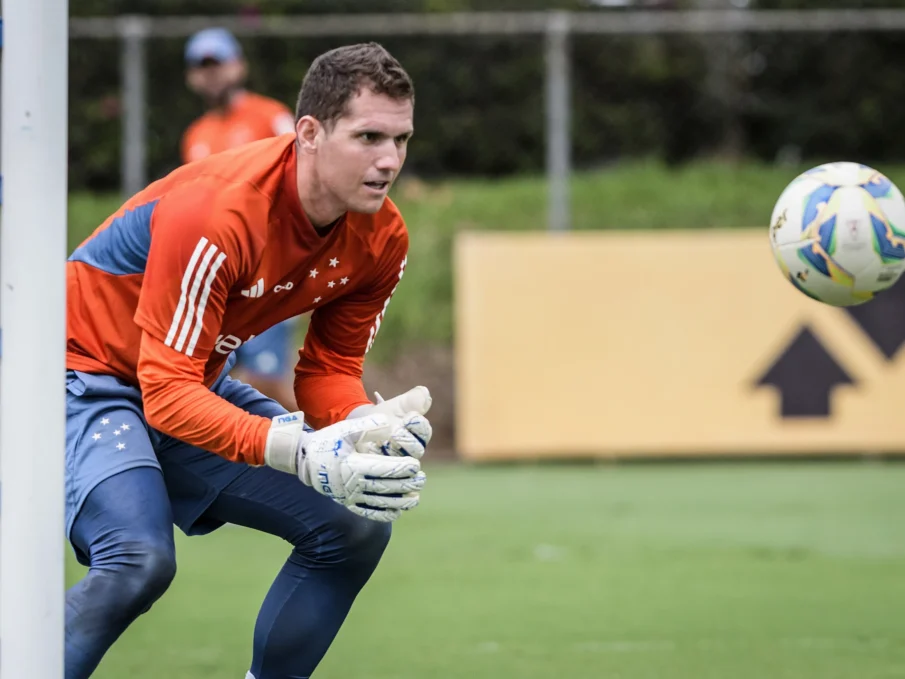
pixel 838 233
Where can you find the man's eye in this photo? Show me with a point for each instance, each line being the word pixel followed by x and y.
pixel 369 137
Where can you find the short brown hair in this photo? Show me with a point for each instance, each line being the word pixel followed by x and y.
pixel 338 75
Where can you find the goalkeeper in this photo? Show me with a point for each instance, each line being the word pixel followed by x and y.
pixel 159 299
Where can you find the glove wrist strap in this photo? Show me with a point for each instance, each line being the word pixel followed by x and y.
pixel 284 442
pixel 281 452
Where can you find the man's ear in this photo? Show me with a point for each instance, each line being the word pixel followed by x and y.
pixel 307 130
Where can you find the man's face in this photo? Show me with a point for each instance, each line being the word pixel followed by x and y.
pixel 360 156
pixel 214 80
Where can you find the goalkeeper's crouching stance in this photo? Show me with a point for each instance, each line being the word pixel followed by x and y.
pixel 159 299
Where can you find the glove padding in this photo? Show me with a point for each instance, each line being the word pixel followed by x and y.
pixel 374 486
pixel 410 430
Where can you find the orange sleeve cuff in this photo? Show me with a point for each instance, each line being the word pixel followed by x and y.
pixel 177 403
pixel 326 399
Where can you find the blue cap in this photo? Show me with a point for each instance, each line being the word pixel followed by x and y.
pixel 212 43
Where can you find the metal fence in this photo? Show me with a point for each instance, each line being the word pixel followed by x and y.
pixel 556 28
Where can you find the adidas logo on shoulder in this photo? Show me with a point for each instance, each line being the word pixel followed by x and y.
pixel 255 290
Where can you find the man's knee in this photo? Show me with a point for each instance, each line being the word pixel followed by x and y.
pixel 139 573
pixel 350 538
pixel 155 570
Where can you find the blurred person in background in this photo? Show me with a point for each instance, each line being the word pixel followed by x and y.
pixel 216 70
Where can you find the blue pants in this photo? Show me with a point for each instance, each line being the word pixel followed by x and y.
pixel 127 484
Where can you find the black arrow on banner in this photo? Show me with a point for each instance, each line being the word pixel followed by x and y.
pixel 805 374
pixel 883 319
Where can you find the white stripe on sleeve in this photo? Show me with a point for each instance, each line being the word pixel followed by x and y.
pixel 189 319
pixel 202 303
pixel 186 279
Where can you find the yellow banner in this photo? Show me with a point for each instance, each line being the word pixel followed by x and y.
pixel 690 343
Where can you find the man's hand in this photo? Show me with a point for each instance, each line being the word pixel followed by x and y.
pixel 371 485
pixel 410 430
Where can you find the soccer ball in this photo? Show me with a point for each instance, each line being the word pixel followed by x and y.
pixel 838 233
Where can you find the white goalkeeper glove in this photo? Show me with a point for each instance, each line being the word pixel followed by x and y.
pixel 410 430
pixel 374 486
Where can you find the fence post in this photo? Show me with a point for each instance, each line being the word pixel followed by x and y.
pixel 558 124
pixel 134 32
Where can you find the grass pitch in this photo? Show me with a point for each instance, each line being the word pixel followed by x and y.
pixel 647 571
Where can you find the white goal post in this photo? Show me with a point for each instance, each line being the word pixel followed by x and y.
pixel 33 162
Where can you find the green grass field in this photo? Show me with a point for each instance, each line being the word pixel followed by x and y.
pixel 647 571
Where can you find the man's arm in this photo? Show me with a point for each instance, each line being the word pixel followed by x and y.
pixel 328 375
pixel 199 249
pixel 375 487
pixel 178 403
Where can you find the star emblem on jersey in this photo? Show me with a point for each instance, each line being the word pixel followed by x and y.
pixel 105 421
pixel 324 293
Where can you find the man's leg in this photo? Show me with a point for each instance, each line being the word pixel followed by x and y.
pixel 334 554
pixel 125 527
pixel 334 551
pixel 118 517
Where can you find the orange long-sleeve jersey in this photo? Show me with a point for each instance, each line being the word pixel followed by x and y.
pixel 210 256
pixel 249 117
